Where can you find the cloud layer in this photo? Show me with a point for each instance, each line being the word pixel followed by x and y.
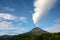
pixel 7 22
pixel 4 25
pixel 41 7
pixel 7 16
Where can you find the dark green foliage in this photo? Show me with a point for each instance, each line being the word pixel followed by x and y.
pixel 28 36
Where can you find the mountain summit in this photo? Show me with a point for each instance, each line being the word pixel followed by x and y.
pixel 37 30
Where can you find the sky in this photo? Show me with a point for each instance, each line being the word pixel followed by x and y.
pixel 16 17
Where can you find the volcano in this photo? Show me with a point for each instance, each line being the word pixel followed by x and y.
pixel 37 30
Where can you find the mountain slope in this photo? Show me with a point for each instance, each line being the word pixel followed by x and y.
pixel 37 30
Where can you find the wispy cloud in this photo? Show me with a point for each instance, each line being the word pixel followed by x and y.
pixel 7 16
pixel 23 19
pixel 7 23
pixel 3 33
pixel 5 26
pixel 57 21
pixel 55 27
pixel 9 9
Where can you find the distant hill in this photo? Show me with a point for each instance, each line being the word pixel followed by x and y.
pixel 6 36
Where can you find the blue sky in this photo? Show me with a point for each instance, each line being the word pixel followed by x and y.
pixel 16 17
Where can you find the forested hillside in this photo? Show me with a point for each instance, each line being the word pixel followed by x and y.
pixel 27 36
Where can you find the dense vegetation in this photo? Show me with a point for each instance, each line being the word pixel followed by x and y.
pixel 27 36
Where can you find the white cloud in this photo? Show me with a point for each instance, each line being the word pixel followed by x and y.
pixel 7 33
pixel 17 30
pixel 23 19
pixel 4 25
pixel 3 33
pixel 7 16
pixel 41 8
